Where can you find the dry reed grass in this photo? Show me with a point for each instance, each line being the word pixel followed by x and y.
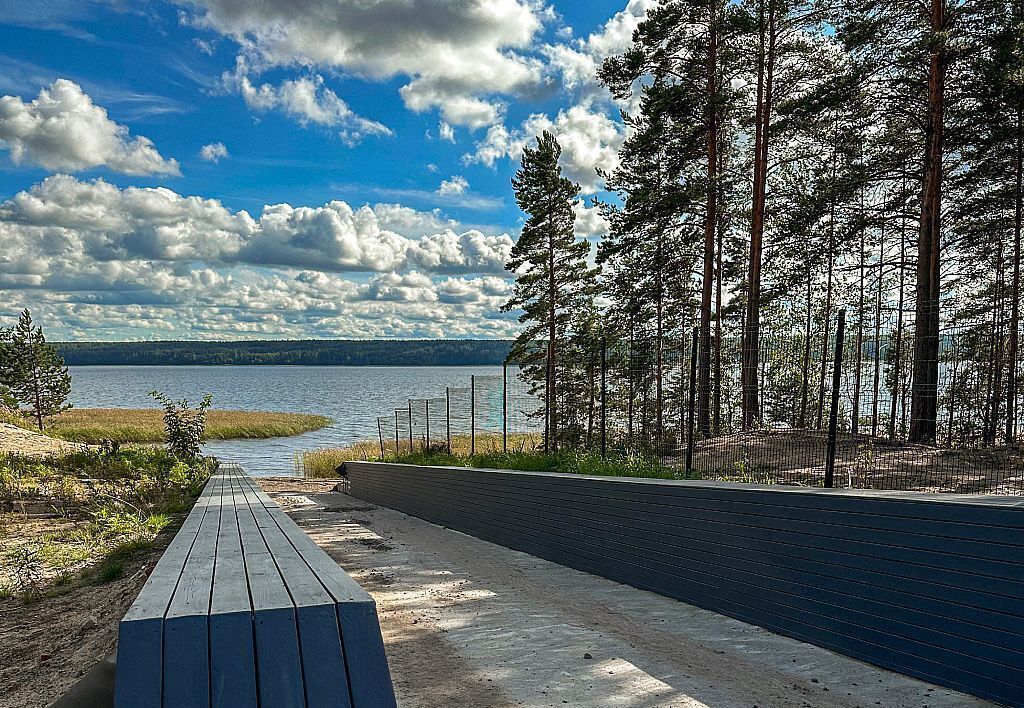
pixel 146 425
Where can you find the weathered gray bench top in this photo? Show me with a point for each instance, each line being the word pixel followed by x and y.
pixel 245 610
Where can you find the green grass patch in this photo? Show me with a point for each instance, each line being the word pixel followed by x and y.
pixel 85 517
pixel 522 454
pixel 146 425
pixel 568 462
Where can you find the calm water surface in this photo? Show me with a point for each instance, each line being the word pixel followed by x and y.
pixel 351 396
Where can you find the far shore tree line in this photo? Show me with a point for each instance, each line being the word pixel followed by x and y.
pixel 33 376
pixel 785 158
pixel 34 381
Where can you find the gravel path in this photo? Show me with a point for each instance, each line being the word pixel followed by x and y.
pixel 27 442
pixel 470 623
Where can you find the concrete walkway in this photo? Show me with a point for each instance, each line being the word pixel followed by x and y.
pixel 469 623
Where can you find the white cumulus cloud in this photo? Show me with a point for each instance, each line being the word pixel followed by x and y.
pixel 309 101
pixel 458 56
pixel 64 218
pixel 578 61
pixel 214 152
pixel 94 260
pixel 589 222
pixel 62 129
pixel 590 139
pixel 456 184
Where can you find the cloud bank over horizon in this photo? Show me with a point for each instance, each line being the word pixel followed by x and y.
pixel 85 244
pixel 324 168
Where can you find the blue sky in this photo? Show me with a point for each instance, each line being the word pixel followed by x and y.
pixel 140 144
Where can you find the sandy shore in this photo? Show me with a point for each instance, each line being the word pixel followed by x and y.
pixel 27 442
pixel 48 644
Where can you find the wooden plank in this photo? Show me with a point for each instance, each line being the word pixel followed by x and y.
pixel 323 663
pixel 186 673
pixel 140 634
pixel 341 586
pixel 367 668
pixel 369 676
pixel 278 661
pixel 232 654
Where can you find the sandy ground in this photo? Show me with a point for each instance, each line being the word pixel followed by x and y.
pixel 48 644
pixel 469 623
pixel 798 457
pixel 27 442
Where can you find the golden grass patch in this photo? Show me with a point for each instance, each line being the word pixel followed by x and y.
pixel 146 425
pixel 324 462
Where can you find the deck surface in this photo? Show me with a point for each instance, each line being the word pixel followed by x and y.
pixel 244 610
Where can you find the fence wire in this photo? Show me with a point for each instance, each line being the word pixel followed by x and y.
pixel 642 396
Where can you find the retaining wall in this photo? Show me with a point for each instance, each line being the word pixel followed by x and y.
pixel 925 584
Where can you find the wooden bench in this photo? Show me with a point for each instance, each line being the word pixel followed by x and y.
pixel 244 610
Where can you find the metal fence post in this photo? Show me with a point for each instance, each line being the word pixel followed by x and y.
pixel 380 434
pixel 410 423
pixel 426 406
pixel 833 416
pixel 692 403
pixel 397 450
pixel 504 407
pixel 604 395
pixel 472 415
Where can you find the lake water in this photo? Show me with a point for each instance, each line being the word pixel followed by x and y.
pixel 352 397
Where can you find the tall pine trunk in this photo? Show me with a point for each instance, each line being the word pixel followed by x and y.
pixel 1018 224
pixel 710 228
pixel 878 332
pixel 719 231
pixel 897 374
pixel 552 438
pixel 659 398
pixel 827 320
pixel 858 360
pixel 762 119
pixel 924 389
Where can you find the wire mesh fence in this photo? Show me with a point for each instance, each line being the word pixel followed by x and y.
pixel 824 408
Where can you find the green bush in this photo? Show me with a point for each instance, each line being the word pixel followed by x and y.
pixel 186 427
pixel 115 501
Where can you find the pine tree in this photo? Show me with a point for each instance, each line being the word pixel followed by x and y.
pixel 915 52
pixel 7 400
pixel 553 280
pixel 689 46
pixel 656 230
pixel 38 377
pixel 989 195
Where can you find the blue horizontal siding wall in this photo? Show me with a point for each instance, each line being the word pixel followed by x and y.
pixel 927 585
